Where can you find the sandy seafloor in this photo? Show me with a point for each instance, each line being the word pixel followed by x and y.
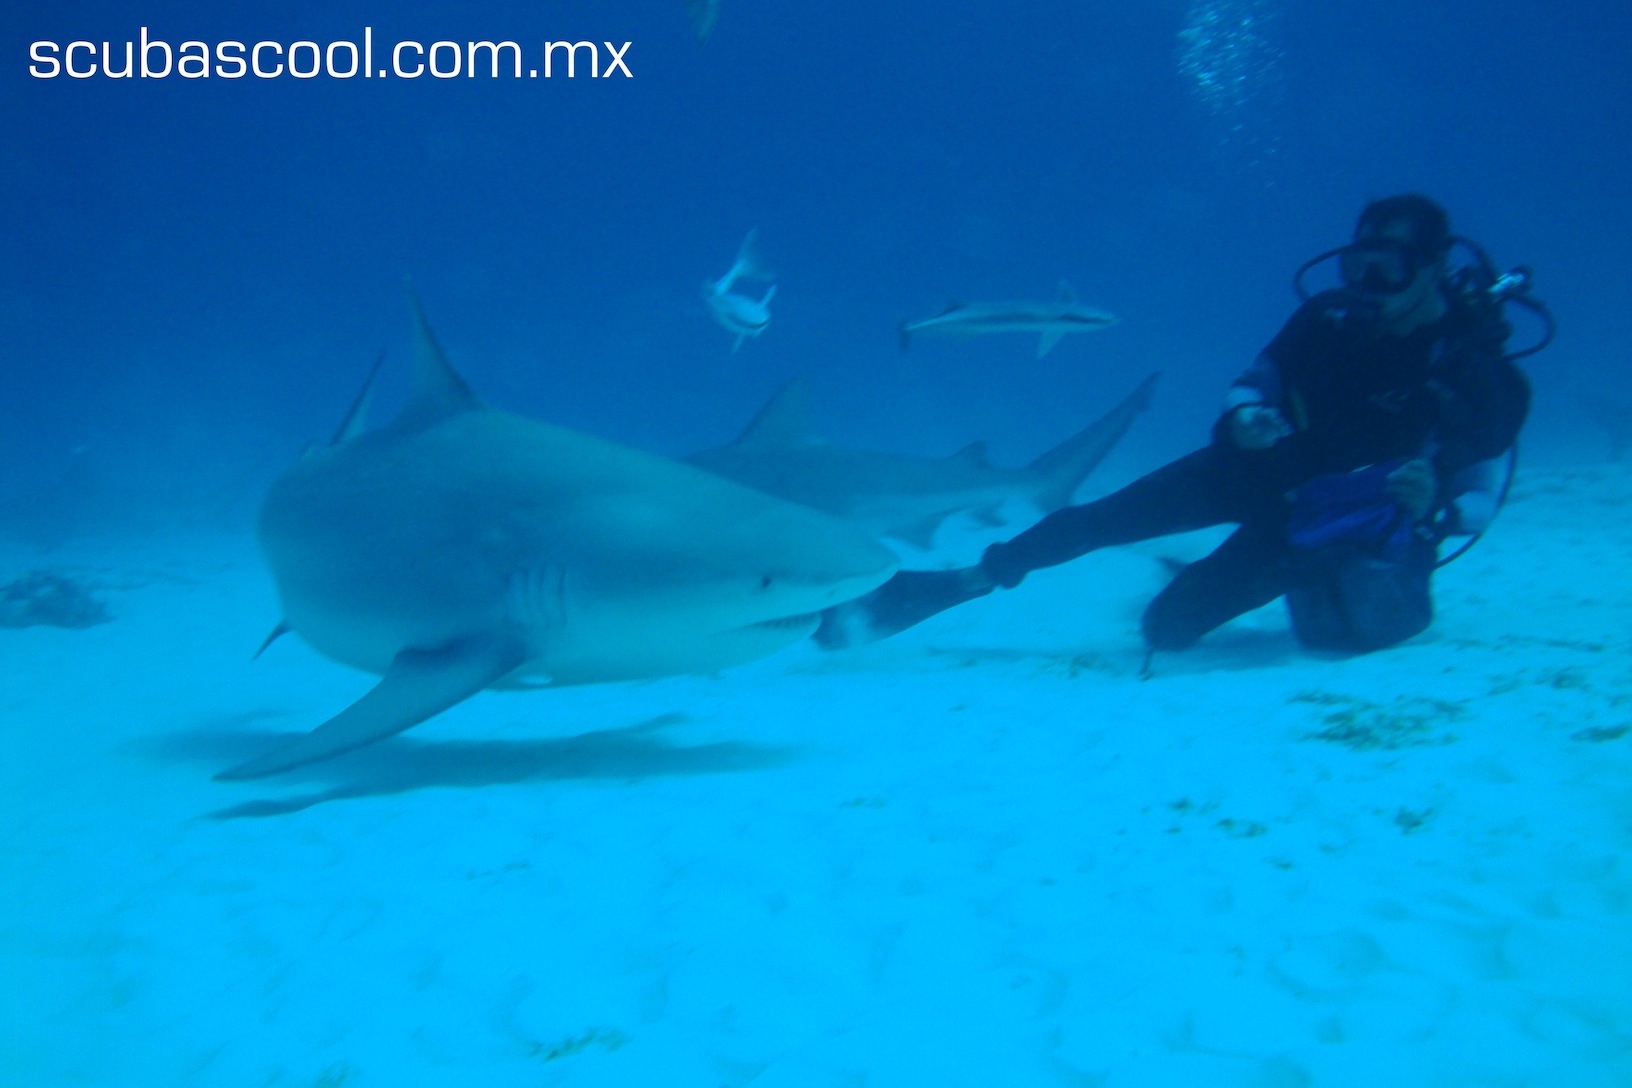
pixel 985 853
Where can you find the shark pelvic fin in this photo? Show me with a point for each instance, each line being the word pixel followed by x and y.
pixel 921 533
pixel 418 685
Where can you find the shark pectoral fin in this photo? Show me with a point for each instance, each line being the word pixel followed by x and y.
pixel 419 684
pixel 1046 342
pixel 356 419
pixel 277 632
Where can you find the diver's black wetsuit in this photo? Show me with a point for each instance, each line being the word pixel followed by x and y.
pixel 1353 397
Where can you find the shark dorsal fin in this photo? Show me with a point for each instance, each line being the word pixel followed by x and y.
pixel 438 391
pixel 1068 294
pixel 356 417
pixel 786 419
pixel 973 455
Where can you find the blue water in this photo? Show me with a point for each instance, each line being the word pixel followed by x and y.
pixel 196 272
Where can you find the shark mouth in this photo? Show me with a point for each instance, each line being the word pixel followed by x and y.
pixel 787 623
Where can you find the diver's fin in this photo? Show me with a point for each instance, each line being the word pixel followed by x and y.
pixel 278 632
pixel 418 685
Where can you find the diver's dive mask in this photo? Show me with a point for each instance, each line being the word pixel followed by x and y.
pixel 1371 267
pixel 1378 266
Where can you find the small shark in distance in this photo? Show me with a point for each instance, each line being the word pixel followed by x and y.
pixel 460 548
pixel 889 494
pixel 1049 320
pixel 737 313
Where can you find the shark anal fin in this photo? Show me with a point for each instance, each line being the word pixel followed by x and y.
pixel 418 685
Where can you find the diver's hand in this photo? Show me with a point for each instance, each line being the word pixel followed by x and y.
pixel 1413 485
pixel 1257 427
pixel 907 599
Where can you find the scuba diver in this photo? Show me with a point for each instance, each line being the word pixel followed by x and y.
pixel 1377 423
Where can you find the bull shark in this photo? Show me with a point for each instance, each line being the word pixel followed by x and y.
pixel 782 454
pixel 738 313
pixel 1049 320
pixel 461 547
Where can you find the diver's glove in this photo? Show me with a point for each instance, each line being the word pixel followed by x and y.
pixel 908 599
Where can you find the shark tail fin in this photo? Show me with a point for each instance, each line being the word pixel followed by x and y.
pixel 1061 470
pixel 751 263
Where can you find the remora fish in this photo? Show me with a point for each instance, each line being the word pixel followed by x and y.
pixel 461 547
pixel 1049 320
pixel 888 494
pixel 738 313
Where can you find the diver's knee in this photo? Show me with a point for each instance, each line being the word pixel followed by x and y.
pixel 1167 627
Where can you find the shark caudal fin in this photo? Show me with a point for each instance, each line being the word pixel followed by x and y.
pixel 751 263
pixel 1062 469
